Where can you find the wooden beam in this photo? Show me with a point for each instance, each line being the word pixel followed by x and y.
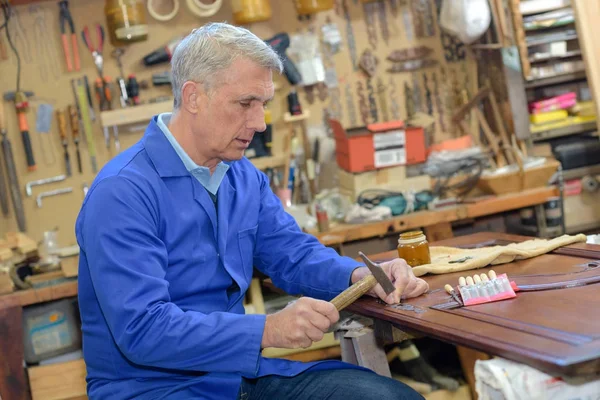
pixel 587 15
pixel 474 102
pixel 13 385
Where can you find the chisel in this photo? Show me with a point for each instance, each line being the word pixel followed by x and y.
pixel 11 170
pixel 62 129
pixel 87 123
pixel 75 130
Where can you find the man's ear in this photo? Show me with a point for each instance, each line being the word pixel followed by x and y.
pixel 189 97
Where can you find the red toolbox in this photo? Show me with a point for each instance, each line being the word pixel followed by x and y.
pixel 378 145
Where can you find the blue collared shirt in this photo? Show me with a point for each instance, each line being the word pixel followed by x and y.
pixel 202 174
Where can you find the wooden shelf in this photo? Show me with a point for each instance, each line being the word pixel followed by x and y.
pixel 35 296
pixel 568 54
pixel 134 115
pixel 269 162
pixel 569 130
pixel 556 80
pixel 295 118
pixel 539 42
pixel 342 233
pixel 577 173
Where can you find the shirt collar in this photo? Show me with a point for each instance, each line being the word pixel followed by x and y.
pixel 201 173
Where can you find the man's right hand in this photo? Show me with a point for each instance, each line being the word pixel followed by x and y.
pixel 300 324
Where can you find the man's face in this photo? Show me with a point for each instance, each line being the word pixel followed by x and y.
pixel 233 111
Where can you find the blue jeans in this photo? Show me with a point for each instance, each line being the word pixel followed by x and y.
pixel 336 384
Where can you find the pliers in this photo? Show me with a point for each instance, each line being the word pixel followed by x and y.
pixel 102 88
pixel 65 17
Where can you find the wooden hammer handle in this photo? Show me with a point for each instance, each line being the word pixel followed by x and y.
pixel 354 292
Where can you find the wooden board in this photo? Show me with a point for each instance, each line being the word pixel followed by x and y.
pixel 38 75
pixel 551 330
pixel 61 381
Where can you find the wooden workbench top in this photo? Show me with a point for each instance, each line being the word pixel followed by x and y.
pixel 556 331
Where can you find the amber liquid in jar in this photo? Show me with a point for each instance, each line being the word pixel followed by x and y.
pixel 414 248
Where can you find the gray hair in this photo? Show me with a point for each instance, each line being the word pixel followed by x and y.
pixel 212 48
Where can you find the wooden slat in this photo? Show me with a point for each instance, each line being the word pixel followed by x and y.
pixel 134 115
pixel 34 296
pixel 520 37
pixel 61 381
pixel 269 162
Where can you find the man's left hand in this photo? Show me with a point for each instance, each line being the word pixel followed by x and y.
pixel 401 274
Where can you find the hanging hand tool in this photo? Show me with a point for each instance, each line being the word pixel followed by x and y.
pixel 44 181
pixel 87 124
pixel 102 88
pixel 11 170
pixel 124 98
pixel 133 90
pixel 62 129
pixel 52 193
pixel 65 17
pixel 104 94
pixel 22 105
pixel 75 132
pixel 88 92
pixel 42 126
pixel 3 192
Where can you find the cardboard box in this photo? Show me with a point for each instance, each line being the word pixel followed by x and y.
pixel 378 146
pixel 393 178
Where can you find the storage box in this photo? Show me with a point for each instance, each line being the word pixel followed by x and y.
pixel 50 329
pixel 378 145
pixel 393 178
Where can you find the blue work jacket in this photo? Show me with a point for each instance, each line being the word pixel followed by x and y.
pixel 163 274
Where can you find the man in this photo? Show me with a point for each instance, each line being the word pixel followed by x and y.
pixel 169 234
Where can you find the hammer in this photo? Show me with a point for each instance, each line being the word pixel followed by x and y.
pixel 367 283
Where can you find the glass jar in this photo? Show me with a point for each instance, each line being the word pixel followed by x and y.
pixel 306 7
pixel 126 21
pixel 250 11
pixel 414 248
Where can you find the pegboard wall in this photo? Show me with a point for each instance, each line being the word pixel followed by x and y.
pixel 380 27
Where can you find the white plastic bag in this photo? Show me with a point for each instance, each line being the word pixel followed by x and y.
pixel 465 19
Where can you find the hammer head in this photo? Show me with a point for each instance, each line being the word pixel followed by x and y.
pixel 378 273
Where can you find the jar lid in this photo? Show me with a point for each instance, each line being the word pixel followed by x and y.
pixel 411 237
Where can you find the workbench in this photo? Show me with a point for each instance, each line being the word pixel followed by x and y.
pixel 436 224
pixel 554 330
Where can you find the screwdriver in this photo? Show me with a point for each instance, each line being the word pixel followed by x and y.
pixel 11 170
pixel 62 129
pixel 75 131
